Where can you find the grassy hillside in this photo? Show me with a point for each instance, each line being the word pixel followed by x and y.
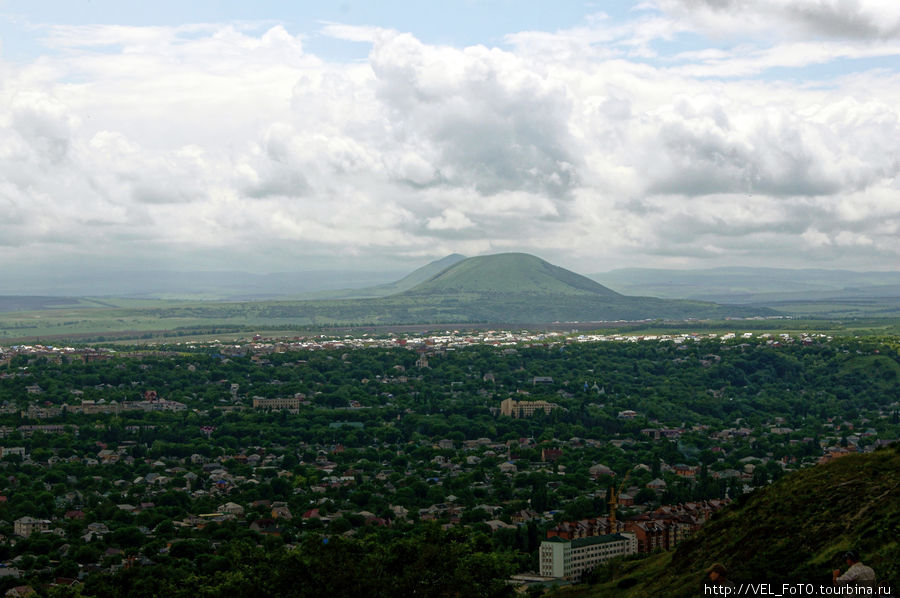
pixel 510 273
pixel 793 531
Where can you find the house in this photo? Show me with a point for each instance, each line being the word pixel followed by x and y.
pixel 600 470
pixel 524 516
pixel 108 456
pixel 496 524
pixel 99 528
pixel 267 527
pixel 231 509
pixel 569 530
pixel 281 512
pixel 507 467
pixel 626 500
pixel 686 471
pixel 25 526
pixel 399 512
pixel 551 454
pixel 95 530
pixel 658 485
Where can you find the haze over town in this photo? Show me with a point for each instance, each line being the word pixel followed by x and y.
pixel 669 133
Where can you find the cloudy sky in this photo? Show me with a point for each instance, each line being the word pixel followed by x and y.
pixel 663 133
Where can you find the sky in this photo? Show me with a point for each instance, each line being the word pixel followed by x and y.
pixel 273 136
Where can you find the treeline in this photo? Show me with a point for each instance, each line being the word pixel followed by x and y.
pixel 433 563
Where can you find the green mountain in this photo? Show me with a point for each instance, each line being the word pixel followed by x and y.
pixel 522 288
pixel 510 273
pixel 792 531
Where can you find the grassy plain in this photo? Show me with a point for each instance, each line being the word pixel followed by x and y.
pixel 152 321
pixel 140 317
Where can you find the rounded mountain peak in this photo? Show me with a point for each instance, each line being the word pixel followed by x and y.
pixel 510 273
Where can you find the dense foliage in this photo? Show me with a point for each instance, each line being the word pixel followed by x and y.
pixel 382 449
pixel 433 563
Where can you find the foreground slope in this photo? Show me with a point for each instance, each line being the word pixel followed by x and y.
pixel 793 531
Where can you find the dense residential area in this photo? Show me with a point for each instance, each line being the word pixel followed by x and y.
pixel 130 468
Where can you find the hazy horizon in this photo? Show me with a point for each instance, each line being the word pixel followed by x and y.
pixel 238 284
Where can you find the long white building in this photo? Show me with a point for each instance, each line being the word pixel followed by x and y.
pixel 568 559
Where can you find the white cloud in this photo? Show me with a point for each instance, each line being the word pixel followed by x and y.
pixel 353 33
pixel 488 120
pixel 850 19
pixel 240 143
pixel 450 219
pixel 746 61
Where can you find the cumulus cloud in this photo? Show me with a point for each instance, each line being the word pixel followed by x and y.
pixel 236 142
pixel 852 19
pixel 485 117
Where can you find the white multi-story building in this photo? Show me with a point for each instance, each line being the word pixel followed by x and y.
pixel 25 526
pixel 568 559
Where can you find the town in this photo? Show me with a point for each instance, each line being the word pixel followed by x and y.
pixel 562 451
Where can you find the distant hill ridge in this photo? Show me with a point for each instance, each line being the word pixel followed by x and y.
pixel 510 273
pixel 752 285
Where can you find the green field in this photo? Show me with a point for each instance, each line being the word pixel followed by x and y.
pixel 843 308
pixel 157 321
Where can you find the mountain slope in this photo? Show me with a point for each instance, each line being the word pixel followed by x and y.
pixel 424 273
pixel 793 531
pixel 522 288
pixel 510 273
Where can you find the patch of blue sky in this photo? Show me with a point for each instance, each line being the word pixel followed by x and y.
pixel 336 50
pixel 827 72
pixel 451 22
pixel 670 50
